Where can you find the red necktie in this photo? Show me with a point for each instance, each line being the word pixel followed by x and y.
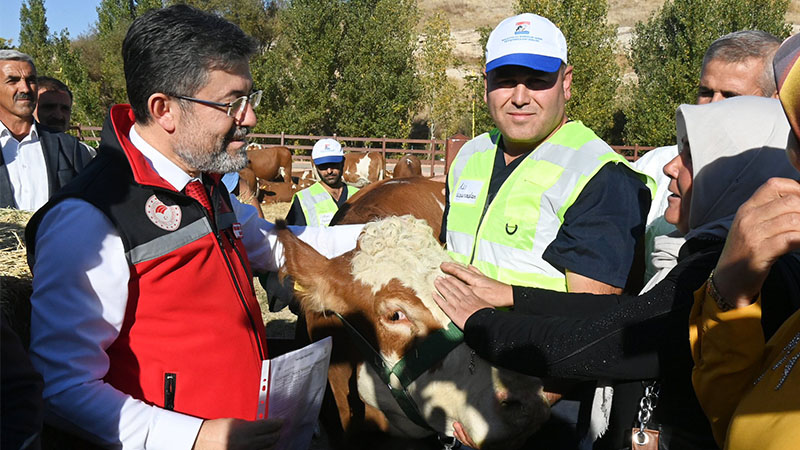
pixel 197 191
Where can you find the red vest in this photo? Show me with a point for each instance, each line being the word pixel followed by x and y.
pixel 193 338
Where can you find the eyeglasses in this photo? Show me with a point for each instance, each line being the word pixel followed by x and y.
pixel 236 108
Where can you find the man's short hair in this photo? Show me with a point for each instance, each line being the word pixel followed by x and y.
pixel 16 55
pixel 740 46
pixel 172 50
pixel 53 84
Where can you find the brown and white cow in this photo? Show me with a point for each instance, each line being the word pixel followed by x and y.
pixel 248 189
pixel 276 191
pixel 418 196
pixel 407 166
pixel 360 169
pixel 270 163
pixel 384 288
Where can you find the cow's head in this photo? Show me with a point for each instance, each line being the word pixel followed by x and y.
pixel 384 287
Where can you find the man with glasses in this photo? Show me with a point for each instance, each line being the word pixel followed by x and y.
pixel 144 322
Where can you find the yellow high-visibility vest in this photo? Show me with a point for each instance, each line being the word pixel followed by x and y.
pixel 318 205
pixel 507 238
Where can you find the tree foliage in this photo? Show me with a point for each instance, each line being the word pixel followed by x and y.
pixel 590 44
pixel 34 35
pixel 340 66
pixel 480 120
pixel 667 53
pixel 442 98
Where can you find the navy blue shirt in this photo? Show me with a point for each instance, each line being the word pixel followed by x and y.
pixel 600 230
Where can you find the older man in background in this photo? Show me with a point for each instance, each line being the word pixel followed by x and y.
pixel 54 107
pixel 36 162
pixel 738 63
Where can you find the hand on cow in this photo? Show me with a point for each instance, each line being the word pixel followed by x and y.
pixel 233 434
pixel 461 434
pixel 765 227
pixel 458 299
pixel 491 291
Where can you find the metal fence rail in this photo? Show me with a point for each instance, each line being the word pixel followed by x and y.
pixel 431 152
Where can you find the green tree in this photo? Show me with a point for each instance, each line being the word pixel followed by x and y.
pixel 107 71
pixel 34 36
pixel 590 43
pixel 377 91
pixel 441 96
pixel 6 44
pixel 69 68
pixel 258 18
pixel 477 115
pixel 667 53
pixel 340 66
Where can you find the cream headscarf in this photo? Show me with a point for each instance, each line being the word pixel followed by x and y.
pixel 736 145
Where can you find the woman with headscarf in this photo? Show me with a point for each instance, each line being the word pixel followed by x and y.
pixel 728 149
pixel 749 383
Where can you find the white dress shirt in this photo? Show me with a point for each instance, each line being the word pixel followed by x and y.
pixel 26 168
pixel 80 292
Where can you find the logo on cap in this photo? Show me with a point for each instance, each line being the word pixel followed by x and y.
pixel 522 28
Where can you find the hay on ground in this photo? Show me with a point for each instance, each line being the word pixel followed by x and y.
pixel 12 243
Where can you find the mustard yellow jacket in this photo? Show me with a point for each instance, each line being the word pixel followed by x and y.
pixel 749 389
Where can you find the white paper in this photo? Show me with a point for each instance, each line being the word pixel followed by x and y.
pixel 296 383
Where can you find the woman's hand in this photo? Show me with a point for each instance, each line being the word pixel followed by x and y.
pixel 766 227
pixel 492 291
pixel 466 290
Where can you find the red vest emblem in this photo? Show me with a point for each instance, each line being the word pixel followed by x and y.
pixel 165 217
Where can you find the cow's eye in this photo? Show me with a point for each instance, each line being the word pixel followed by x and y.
pixel 397 315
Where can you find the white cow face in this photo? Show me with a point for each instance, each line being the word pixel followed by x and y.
pixel 386 285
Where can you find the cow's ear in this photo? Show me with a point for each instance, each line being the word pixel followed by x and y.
pixel 316 277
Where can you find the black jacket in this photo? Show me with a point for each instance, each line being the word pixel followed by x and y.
pixel 64 157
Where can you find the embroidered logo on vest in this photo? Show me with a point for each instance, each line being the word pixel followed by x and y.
pixel 237 230
pixel 165 217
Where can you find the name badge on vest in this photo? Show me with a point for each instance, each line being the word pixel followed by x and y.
pixel 467 191
pixel 237 230
pixel 325 219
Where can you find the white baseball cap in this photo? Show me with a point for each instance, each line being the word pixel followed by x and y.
pixel 327 151
pixel 526 40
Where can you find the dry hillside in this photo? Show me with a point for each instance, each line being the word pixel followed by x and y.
pixel 466 16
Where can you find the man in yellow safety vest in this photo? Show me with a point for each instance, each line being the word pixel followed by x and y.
pixel 541 200
pixel 316 204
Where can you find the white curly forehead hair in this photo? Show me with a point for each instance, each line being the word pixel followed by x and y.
pixel 401 247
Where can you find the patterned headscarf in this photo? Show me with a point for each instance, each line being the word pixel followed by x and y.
pixel 787 77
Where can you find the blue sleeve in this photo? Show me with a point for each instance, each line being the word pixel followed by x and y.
pixel 600 230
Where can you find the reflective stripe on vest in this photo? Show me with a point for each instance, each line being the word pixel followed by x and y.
pixel 513 232
pixel 318 205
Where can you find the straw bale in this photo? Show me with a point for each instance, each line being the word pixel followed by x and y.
pixel 12 243
pixel 275 211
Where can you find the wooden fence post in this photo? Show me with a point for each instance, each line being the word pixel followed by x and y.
pixel 453 145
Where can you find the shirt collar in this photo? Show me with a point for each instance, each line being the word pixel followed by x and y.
pixel 5 133
pixel 165 168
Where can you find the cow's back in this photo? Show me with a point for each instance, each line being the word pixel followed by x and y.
pixel 407 166
pixel 420 197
